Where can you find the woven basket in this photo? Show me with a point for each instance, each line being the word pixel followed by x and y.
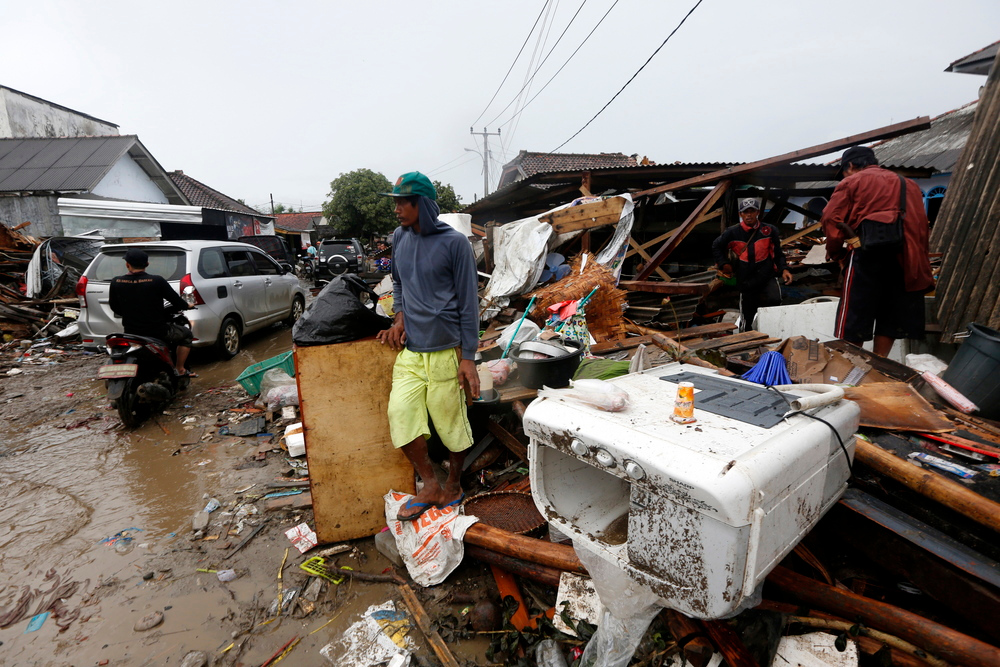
pixel 604 311
pixel 513 511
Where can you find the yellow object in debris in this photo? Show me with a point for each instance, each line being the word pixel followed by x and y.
pixel 316 566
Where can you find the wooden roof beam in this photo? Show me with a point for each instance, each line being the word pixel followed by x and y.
pixel 887 132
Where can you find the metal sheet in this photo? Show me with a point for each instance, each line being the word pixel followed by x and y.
pixel 736 400
pixel 923 535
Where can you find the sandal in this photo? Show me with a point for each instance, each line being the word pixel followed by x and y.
pixel 185 374
pixel 457 501
pixel 410 505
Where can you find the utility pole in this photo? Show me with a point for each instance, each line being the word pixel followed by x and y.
pixel 272 204
pixel 486 157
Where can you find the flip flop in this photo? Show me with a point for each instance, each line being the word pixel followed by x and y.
pixel 410 505
pixel 186 374
pixel 454 502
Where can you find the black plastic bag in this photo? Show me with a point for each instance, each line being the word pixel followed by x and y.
pixel 338 315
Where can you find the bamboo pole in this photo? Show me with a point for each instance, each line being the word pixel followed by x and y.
pixel 930 485
pixel 942 641
pixel 542 552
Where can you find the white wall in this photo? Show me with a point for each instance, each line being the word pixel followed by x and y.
pixel 22 116
pixel 128 181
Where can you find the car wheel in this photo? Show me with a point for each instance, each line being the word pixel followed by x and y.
pixel 298 306
pixel 338 264
pixel 230 337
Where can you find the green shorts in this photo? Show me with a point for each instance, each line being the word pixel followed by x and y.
pixel 426 384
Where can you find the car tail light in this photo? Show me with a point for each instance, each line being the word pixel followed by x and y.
pixel 193 298
pixel 81 291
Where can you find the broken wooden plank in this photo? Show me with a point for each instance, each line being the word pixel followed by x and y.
pixel 701 330
pixel 441 649
pixel 725 341
pixel 508 440
pixel 615 345
pixel 799 234
pixel 887 132
pixel 585 216
pixel 664 288
pixel 749 345
pixel 645 256
pixel 693 220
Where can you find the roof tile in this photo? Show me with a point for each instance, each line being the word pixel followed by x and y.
pixel 202 195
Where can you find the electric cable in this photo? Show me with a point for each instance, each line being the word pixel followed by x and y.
pixel 531 78
pixel 691 11
pixel 434 170
pixel 511 69
pixel 593 30
pixel 840 441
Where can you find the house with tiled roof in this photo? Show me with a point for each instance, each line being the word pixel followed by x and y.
pixel 224 217
pixel 303 226
pixel 527 163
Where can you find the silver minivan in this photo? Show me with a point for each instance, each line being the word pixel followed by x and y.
pixel 238 289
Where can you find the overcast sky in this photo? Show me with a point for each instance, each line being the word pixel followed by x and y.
pixel 255 98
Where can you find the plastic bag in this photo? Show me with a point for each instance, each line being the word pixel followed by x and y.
pixel 926 362
pixel 595 393
pixel 274 377
pixel 528 331
pixel 279 397
pixel 500 370
pixel 431 545
pixel 338 315
pixel 629 608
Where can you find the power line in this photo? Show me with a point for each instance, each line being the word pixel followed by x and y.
pixel 691 11
pixel 531 78
pixel 543 37
pixel 518 112
pixel 511 69
pixel 436 169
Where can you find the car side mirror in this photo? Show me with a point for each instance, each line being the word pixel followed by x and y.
pixel 285 268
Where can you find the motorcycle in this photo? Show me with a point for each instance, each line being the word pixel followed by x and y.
pixel 140 378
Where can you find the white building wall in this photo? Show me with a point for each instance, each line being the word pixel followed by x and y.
pixel 128 181
pixel 25 117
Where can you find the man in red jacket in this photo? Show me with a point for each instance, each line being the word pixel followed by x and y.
pixel 883 293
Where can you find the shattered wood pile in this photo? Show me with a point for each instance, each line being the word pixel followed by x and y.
pixel 22 317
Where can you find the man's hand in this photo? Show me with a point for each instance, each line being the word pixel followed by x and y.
pixel 786 276
pixel 395 335
pixel 727 270
pixel 468 378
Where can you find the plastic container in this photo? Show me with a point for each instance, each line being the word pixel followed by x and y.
pixel 250 378
pixel 975 370
pixel 295 440
pixel 554 372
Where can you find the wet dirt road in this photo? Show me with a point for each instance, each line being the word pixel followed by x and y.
pixel 66 491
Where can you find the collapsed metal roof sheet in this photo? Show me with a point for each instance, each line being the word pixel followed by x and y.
pixel 937 147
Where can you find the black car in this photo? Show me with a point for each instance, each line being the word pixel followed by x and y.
pixel 337 256
pixel 275 246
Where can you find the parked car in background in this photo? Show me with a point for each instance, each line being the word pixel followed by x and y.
pixel 337 256
pixel 238 289
pixel 275 246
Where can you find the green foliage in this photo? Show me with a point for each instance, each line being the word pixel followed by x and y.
pixel 447 200
pixel 355 207
pixel 281 208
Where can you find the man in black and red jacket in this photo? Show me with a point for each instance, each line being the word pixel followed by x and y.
pixel 759 260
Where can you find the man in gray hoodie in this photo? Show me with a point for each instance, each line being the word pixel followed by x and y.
pixel 436 329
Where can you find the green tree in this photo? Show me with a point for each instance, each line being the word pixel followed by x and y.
pixel 447 199
pixel 356 208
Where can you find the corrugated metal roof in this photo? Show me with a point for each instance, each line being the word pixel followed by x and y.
pixel 937 147
pixel 978 62
pixel 68 164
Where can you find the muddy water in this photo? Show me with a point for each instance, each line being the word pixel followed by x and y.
pixel 64 491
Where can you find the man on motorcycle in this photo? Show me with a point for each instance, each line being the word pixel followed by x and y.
pixel 137 297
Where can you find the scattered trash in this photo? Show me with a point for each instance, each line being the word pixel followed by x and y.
pixel 195 659
pixel 149 621
pixel 302 537
pixel 431 546
pixel 287 597
pixel 599 394
pixel 226 575
pixel 376 638
pixel 213 504
pixel 36 622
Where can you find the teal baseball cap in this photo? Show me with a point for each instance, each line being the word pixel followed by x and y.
pixel 412 184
